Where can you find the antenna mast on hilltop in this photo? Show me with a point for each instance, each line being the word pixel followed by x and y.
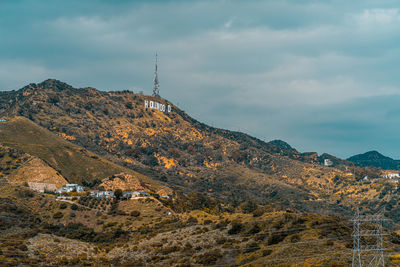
pixel 156 89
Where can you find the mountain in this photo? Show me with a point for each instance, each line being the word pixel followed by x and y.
pixel 175 149
pixel 376 159
pixel 237 200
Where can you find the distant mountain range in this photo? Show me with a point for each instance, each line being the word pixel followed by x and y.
pixel 376 159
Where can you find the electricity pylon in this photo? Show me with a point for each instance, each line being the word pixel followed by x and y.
pixel 368 240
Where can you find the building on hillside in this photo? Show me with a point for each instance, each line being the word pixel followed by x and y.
pixel 328 162
pixel 134 194
pixel 71 188
pixel 42 187
pixel 390 174
pixel 128 195
pixel 2 120
pixel 102 194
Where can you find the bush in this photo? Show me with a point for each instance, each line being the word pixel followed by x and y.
pixel 206 222
pixel 191 220
pixel 276 238
pixel 329 243
pixel 236 228
pixel 258 212
pixel 72 215
pixel 74 207
pixel 255 229
pixel 251 247
pixel 209 258
pixel 249 207
pixel 266 252
pixel 295 238
pixel 63 206
pixel 58 215
pixel 135 213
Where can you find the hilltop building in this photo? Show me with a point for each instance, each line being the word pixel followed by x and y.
pixel 328 162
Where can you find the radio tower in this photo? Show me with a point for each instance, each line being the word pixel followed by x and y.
pixel 156 89
pixel 368 240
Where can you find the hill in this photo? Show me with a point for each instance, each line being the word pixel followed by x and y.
pixel 56 157
pixel 37 229
pixel 179 151
pixel 37 171
pixel 376 159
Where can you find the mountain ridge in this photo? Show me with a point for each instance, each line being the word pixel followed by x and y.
pixel 376 159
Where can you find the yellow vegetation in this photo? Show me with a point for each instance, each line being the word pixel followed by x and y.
pixel 166 162
pixel 149 131
pixel 67 137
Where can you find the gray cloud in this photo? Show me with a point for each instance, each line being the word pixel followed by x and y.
pixel 320 75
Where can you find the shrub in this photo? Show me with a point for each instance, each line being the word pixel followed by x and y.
pixel 276 238
pixel 58 215
pixel 258 212
pixel 251 247
pixel 236 228
pixel 191 220
pixel 266 252
pixel 209 258
pixel 118 193
pixel 221 240
pixel 295 238
pixel 135 213
pixel 74 207
pixel 168 250
pixel 329 243
pixel 255 229
pixel 72 215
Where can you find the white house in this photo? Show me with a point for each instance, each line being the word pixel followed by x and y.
pixel 102 194
pixel 391 175
pixel 71 188
pixel 328 162
pixel 134 194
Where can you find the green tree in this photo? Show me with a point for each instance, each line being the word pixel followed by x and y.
pixel 118 193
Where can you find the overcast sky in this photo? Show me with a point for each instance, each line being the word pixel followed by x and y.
pixel 321 75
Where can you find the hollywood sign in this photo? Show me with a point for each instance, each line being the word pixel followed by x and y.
pixel 155 105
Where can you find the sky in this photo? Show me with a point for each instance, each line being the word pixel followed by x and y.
pixel 320 75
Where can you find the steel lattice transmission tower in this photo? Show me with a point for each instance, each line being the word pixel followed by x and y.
pixel 156 88
pixel 368 240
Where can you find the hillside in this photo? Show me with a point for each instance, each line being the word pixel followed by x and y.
pixel 37 229
pixel 376 159
pixel 56 157
pixel 37 171
pixel 178 150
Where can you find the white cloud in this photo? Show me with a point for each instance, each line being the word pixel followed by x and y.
pixel 378 16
